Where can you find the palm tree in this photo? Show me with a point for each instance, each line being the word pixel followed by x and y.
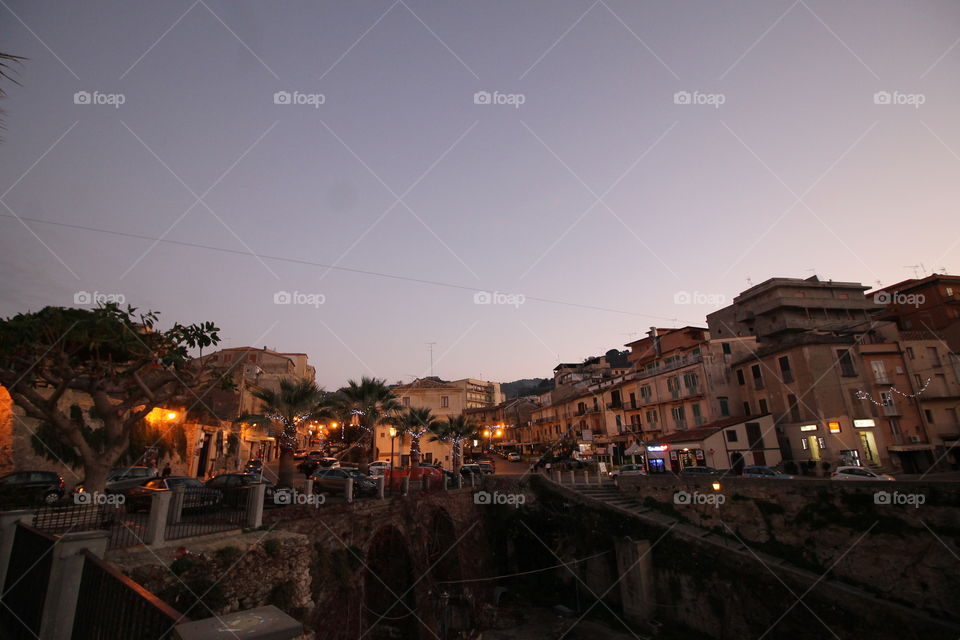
pixel 370 399
pixel 7 60
pixel 415 423
pixel 298 401
pixel 455 430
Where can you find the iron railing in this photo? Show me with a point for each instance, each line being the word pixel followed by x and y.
pixel 125 529
pixel 209 511
pixel 24 593
pixel 111 605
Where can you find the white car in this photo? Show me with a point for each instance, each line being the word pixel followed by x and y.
pixel 629 470
pixel 378 468
pixel 859 473
pixel 513 457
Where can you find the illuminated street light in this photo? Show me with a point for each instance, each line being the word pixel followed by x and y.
pixel 171 415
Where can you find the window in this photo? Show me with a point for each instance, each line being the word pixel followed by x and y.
pixel 679 417
pixel 645 392
pixel 822 442
pixel 746 407
pixel 652 418
pixel 846 363
pixel 757 376
pixel 803 444
pixel 619 424
pixel 444 401
pixel 740 376
pixel 933 356
pixel 879 369
pixel 929 414
pixel 763 405
pixel 731 436
pixel 724 406
pixel 894 426
pixel 910 353
pixel 793 407
pixel 726 348
pixel 406 401
pixel 785 372
pixel 697 418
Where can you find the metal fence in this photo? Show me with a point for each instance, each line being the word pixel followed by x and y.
pixel 208 511
pixel 111 605
pixel 125 529
pixel 25 588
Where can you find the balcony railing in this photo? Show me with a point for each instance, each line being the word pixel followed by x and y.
pixel 664 368
pixel 882 380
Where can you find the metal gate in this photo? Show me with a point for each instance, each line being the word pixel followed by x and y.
pixel 25 588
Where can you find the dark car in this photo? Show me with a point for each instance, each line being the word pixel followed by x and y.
pixel 699 471
pixel 253 466
pixel 335 481
pixel 486 467
pixel 30 487
pixel 119 480
pixel 308 466
pixel 196 495
pixel 434 465
pixel 234 487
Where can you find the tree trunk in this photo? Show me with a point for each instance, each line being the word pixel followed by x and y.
pixel 95 473
pixel 414 450
pixel 285 476
pixel 457 456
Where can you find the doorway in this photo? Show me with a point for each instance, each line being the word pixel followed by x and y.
pixel 204 456
pixel 869 446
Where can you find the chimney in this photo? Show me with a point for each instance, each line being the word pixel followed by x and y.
pixel 656 341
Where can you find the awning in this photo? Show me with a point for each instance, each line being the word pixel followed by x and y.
pixel 633 450
pixel 910 447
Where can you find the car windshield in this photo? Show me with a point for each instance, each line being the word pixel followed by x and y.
pixel 187 482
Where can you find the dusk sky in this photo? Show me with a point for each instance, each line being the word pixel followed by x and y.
pixel 631 156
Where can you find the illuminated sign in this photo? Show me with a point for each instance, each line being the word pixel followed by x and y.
pixel 808 427
pixel 835 426
pixel 655 448
pixel 866 422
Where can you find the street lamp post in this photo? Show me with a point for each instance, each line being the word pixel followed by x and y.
pixel 393 436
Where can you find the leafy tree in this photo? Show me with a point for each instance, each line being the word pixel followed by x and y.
pixel 455 430
pixel 117 358
pixel 372 401
pixel 297 401
pixel 415 423
pixel 7 61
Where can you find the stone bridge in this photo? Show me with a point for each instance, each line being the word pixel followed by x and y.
pixel 403 567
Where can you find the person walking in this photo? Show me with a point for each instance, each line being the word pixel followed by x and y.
pixel 166 471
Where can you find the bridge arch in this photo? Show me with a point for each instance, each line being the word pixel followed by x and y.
pixel 389 596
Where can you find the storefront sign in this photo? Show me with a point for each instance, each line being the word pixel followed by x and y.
pixel 834 427
pixel 588 435
pixel 656 448
pixel 699 454
pixel 868 422
pixel 808 427
pixel 673 455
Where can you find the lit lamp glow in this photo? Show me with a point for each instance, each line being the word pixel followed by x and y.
pixel 716 486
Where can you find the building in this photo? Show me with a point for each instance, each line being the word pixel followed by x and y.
pixel 831 371
pixel 444 399
pixel 729 443
pixel 925 304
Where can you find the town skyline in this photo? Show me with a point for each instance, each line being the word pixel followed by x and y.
pixel 392 160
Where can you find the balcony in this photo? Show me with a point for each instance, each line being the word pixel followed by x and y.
pixel 758 384
pixel 681 423
pixel 882 380
pixel 890 409
pixel 615 405
pixel 664 368
pixel 674 394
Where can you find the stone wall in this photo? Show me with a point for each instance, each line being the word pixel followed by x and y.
pixel 902 552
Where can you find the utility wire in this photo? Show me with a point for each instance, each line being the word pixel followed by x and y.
pixel 524 573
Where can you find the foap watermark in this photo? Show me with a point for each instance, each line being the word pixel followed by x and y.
pixel 96 297
pixel 699 297
pixel 299 98
pixel 713 499
pixel 101 99
pixel 899 98
pixel 698 97
pixel 497 297
pixel 298 297
pixel 509 99
pixel 902 299
pixel 497 497
pixel 895 498
pixel 296 498
pixel 99 499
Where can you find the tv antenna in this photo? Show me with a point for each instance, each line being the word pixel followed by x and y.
pixel 917 269
pixel 430 347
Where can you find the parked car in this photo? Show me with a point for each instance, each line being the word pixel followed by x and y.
pixel 30 487
pixel 119 480
pixel 335 481
pixel 486 467
pixel 513 457
pixel 759 471
pixel 300 454
pixel 488 461
pixel 315 456
pixel 628 470
pixel 699 471
pixel 378 468
pixel 434 465
pixel 253 466
pixel 471 469
pixel 308 466
pixel 234 487
pixel 859 473
pixel 196 495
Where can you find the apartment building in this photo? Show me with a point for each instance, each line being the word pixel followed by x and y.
pixel 924 304
pixel 831 371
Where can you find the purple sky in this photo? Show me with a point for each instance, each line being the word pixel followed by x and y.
pixel 599 190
